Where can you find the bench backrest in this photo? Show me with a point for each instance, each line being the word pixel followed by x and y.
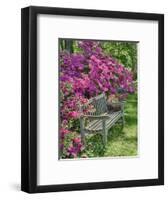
pixel 98 105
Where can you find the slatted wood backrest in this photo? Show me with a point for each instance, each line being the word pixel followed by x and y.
pixel 96 105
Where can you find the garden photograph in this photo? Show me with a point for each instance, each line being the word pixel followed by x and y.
pixel 98 98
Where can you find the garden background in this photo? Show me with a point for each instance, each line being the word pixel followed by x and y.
pixel 88 68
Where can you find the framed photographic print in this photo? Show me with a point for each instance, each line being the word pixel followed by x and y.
pixel 92 99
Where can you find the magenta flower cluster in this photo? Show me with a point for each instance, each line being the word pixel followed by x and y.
pixel 82 76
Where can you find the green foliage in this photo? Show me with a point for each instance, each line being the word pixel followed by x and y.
pixel 124 52
pixel 94 146
pixel 76 48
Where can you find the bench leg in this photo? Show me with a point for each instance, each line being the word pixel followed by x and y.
pixel 105 137
pixel 82 137
pixel 82 133
pixel 105 132
pixel 123 121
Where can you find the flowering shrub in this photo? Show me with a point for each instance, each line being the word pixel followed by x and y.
pixel 71 146
pixel 82 76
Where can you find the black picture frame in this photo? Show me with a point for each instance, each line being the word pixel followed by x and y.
pixel 29 98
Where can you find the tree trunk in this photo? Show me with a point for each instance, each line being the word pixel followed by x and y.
pixel 69 46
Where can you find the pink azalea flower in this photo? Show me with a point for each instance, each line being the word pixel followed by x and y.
pixel 77 140
pixel 74 114
pixel 64 131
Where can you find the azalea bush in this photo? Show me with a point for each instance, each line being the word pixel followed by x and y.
pixel 124 52
pixel 85 74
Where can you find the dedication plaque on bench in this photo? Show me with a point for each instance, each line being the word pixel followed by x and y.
pixel 92 99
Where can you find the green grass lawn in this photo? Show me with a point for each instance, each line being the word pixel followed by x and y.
pixel 121 142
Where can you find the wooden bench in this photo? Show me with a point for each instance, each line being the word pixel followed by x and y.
pixel 99 119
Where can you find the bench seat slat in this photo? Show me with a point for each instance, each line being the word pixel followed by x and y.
pixel 96 125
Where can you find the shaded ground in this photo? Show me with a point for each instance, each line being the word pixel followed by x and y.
pixel 120 142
